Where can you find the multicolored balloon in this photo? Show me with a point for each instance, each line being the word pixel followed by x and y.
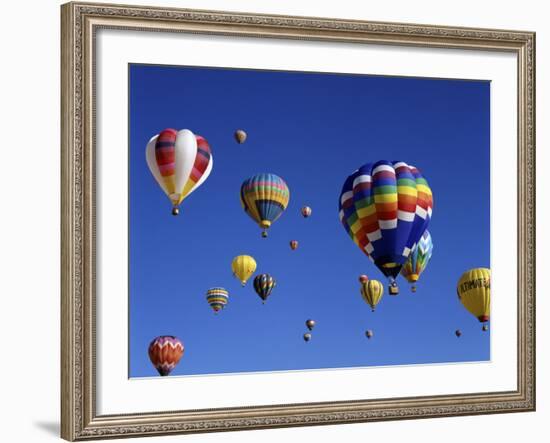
pixel 369 334
pixel 240 136
pixel 306 211
pixel 264 198
pixel 474 292
pixel 243 266
pixel 263 285
pixel 372 291
pixel 165 352
pixel 180 161
pixel 385 207
pixel 293 244
pixel 418 260
pixel 307 337
pixel 217 298
pixel 310 324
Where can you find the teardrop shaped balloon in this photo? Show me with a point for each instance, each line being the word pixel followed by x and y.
pixel 474 292
pixel 307 337
pixel 263 285
pixel 310 324
pixel 385 207
pixel 293 244
pixel 363 278
pixel 165 352
pixel 180 161
pixel 372 291
pixel 243 266
pixel 217 298
pixel 418 260
pixel 369 334
pixel 264 198
pixel 240 136
pixel 458 332
pixel 306 211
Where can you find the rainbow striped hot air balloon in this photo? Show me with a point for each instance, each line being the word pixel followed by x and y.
pixel 264 198
pixel 217 298
pixel 418 260
pixel 385 208
pixel 180 161
pixel 165 352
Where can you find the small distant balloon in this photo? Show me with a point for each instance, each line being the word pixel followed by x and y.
pixel 165 352
pixel 310 324
pixel 363 278
pixel 485 328
pixel 217 298
pixel 307 337
pixel 458 332
pixel 306 211
pixel 369 334
pixel 240 136
pixel 293 244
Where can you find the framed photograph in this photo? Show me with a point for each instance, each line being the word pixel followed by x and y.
pixel 277 221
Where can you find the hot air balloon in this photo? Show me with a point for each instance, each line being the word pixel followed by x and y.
pixel 369 334
pixel 458 332
pixel 165 352
pixel 363 278
pixel 418 260
pixel 217 298
pixel 293 244
pixel 385 207
pixel 307 337
pixel 474 292
pixel 263 285
pixel 485 328
pixel 372 291
pixel 264 197
pixel 306 211
pixel 243 266
pixel 310 324
pixel 180 161
pixel 240 136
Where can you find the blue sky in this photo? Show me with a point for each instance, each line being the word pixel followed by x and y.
pixel 313 130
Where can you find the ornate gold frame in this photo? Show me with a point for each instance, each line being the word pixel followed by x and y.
pixel 80 21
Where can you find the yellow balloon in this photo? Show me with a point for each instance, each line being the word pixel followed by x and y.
pixel 243 267
pixel 372 291
pixel 474 292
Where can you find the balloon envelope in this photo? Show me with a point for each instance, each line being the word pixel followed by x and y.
pixel 385 207
pixel 165 352
pixel 243 266
pixel 372 291
pixel 310 324
pixel 217 298
pixel 418 259
pixel 240 136
pixel 306 211
pixel 264 198
pixel 294 244
pixel 263 285
pixel 307 337
pixel 180 162
pixel 474 292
